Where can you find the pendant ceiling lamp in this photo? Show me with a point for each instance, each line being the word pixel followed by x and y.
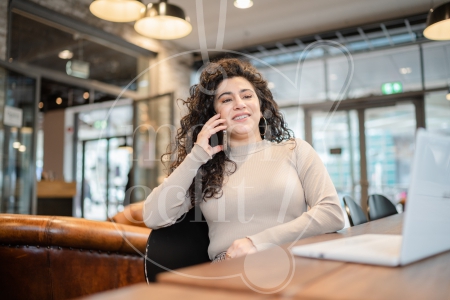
pixel 438 23
pixel 117 10
pixel 243 4
pixel 163 21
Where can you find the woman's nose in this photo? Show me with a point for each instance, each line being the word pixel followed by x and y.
pixel 239 104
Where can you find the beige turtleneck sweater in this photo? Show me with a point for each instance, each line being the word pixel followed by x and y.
pixel 266 199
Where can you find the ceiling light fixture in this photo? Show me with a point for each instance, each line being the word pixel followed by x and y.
pixel 438 23
pixel 65 54
pixel 163 21
pixel 243 3
pixel 405 71
pixel 117 10
pixel 125 146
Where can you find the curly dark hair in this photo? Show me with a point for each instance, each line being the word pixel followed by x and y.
pixel 200 107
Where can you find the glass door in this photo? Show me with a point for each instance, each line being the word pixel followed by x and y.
pixel 94 179
pixel 390 137
pixel 105 176
pixel 335 138
pixel 119 173
pixel 18 109
pixel 367 150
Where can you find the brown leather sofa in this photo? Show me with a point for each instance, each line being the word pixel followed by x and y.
pixel 47 257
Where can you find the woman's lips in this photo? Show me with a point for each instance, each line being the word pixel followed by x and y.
pixel 241 118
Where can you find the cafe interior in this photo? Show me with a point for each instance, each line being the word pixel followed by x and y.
pixel 91 94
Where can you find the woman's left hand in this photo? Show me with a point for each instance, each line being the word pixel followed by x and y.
pixel 241 247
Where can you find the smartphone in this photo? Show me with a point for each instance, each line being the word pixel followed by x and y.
pixel 217 138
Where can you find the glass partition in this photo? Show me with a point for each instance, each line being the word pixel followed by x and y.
pixel 292 84
pixel 294 118
pixel 154 131
pixel 372 69
pixel 17 142
pixel 437 112
pixel 323 78
pixel 436 62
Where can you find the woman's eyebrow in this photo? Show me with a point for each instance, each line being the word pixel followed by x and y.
pixel 229 93
pixel 226 93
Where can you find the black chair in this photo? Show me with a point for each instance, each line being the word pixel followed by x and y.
pixel 355 214
pixel 180 245
pixel 380 207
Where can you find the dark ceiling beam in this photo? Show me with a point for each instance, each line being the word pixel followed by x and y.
pixel 365 38
pixel 341 38
pixel 263 50
pixel 300 43
pixel 386 33
pixel 408 27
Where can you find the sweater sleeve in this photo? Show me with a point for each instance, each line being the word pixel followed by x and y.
pixel 167 202
pixel 325 214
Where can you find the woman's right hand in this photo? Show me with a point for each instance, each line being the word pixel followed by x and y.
pixel 212 126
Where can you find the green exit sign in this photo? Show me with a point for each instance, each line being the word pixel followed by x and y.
pixel 391 88
pixel 100 124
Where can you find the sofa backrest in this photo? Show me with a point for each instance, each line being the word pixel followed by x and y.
pixel 47 257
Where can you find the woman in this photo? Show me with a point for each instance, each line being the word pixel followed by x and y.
pixel 256 193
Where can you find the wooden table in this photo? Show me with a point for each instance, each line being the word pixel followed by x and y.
pixel 142 291
pixel 278 273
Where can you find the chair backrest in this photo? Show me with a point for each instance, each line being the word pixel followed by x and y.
pixel 380 207
pixel 180 245
pixel 355 214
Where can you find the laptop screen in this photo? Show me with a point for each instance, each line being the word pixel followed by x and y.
pixel 432 160
pixel 426 226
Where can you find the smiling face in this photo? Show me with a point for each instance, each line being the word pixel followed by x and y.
pixel 238 104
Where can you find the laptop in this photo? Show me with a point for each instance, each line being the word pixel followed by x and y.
pixel 426 223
